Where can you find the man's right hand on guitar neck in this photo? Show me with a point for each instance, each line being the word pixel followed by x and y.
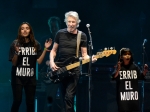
pixel 53 66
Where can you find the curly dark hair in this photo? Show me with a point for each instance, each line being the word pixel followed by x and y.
pixel 21 40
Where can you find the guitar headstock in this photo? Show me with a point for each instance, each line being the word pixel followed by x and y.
pixel 106 52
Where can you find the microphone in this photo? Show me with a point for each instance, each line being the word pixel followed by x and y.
pixel 145 40
pixel 87 25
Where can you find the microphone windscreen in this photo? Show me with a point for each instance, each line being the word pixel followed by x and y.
pixel 87 25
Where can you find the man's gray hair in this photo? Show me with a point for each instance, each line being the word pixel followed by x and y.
pixel 72 14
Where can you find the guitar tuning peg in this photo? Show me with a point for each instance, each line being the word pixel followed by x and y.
pixel 105 48
pixel 111 48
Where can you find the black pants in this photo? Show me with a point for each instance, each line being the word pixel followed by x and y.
pixel 53 103
pixel 17 97
pixel 68 88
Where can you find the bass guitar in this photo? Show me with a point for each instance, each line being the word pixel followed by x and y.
pixel 65 67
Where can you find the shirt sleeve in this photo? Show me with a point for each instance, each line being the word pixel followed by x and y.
pixel 39 50
pixel 11 51
pixel 56 39
pixel 83 40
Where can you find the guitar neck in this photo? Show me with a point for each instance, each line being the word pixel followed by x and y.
pixel 71 66
pixel 105 53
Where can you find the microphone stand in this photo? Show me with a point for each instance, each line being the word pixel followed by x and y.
pixel 80 59
pixel 90 63
pixel 143 51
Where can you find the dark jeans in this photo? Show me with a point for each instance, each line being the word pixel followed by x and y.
pixel 17 97
pixel 69 87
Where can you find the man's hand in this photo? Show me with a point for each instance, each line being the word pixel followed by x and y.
pixel 53 66
pixel 94 59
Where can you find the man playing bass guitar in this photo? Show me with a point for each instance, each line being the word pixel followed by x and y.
pixel 66 43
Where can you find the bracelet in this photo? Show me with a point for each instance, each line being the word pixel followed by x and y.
pixel 45 49
pixel 17 53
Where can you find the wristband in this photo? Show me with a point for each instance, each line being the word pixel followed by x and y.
pixel 45 49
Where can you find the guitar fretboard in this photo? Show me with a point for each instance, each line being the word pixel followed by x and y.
pixel 71 66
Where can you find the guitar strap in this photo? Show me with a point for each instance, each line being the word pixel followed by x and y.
pixel 78 42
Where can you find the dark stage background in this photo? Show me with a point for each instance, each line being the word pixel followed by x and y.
pixel 113 23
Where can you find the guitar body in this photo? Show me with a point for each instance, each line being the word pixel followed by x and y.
pixel 62 72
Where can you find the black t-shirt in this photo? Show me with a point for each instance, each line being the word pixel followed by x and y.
pixel 24 72
pixel 68 43
pixel 127 87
